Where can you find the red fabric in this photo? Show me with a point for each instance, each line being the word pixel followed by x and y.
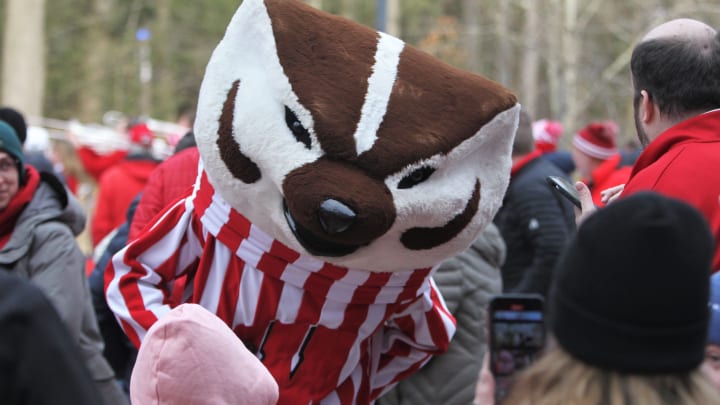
pixel 326 333
pixel 117 188
pixel 524 161
pixel 684 162
pixel 607 175
pixel 96 164
pixel 140 134
pixel 72 182
pixel 166 183
pixel 9 216
pixel 545 147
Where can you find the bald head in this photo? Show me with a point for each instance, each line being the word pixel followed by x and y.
pixel 683 29
pixel 678 64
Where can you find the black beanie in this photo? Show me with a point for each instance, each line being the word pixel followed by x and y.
pixel 16 120
pixel 631 291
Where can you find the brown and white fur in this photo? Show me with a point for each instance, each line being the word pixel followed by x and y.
pixel 397 160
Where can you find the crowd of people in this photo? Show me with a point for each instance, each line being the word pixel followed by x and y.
pixel 633 307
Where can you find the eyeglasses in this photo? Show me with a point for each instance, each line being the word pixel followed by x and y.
pixel 8 166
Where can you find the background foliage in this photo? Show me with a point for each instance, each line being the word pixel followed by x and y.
pixel 566 59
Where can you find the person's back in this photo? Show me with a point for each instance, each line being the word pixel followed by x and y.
pixel 534 221
pixel 121 183
pixel 684 164
pixel 166 183
pixel 38 357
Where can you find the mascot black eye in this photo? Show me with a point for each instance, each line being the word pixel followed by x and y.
pixel 293 123
pixel 416 177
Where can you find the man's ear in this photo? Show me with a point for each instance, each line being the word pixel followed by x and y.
pixel 647 107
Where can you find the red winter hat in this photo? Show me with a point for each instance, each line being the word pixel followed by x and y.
pixel 140 134
pixel 597 139
pixel 546 134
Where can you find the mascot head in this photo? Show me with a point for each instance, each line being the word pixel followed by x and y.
pixel 349 145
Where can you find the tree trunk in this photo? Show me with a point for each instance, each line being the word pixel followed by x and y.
pixel 553 54
pixel 97 45
pixel 471 22
pixel 23 66
pixel 165 102
pixel 393 18
pixel 571 55
pixel 504 51
pixel 530 66
pixel 315 3
pixel 347 9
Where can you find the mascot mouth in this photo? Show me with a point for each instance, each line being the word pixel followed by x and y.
pixel 313 244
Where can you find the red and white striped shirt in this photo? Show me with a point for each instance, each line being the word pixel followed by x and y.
pixel 328 334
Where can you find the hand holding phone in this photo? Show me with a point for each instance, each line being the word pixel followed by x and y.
pixel 565 188
pixel 517 337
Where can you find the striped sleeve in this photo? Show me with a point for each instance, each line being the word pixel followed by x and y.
pixel 138 280
pixel 411 338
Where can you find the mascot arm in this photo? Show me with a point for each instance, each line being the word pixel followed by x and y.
pixel 411 338
pixel 139 278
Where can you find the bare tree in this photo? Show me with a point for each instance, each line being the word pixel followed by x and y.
pixel 530 65
pixel 23 55
pixel 98 45
pixel 347 9
pixel 504 47
pixel 393 18
pixel 315 3
pixel 471 21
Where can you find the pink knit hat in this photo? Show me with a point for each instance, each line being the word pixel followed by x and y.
pixel 191 357
pixel 597 139
pixel 546 134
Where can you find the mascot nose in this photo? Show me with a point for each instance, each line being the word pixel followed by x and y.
pixel 335 217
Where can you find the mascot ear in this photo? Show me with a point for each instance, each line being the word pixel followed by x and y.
pixel 245 57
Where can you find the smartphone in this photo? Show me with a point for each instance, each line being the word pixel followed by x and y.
pixel 565 188
pixel 517 337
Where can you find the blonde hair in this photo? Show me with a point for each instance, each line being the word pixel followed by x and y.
pixel 558 378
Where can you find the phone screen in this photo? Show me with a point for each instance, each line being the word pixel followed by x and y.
pixel 517 337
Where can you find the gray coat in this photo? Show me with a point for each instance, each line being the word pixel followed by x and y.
pixel 467 282
pixel 43 249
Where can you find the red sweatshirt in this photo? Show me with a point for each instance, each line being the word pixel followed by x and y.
pixel 684 162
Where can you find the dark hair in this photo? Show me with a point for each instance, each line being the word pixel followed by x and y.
pixel 16 120
pixel 524 142
pixel 187 141
pixel 681 76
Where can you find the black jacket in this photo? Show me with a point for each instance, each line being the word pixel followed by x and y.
pixel 39 361
pixel 535 223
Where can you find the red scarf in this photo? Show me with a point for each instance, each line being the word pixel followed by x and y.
pixel 9 216
pixel 524 161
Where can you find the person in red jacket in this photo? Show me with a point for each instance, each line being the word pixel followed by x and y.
pixel 167 183
pixel 676 82
pixel 121 183
pixel 597 158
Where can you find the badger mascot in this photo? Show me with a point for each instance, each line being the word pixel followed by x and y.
pixel 339 165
